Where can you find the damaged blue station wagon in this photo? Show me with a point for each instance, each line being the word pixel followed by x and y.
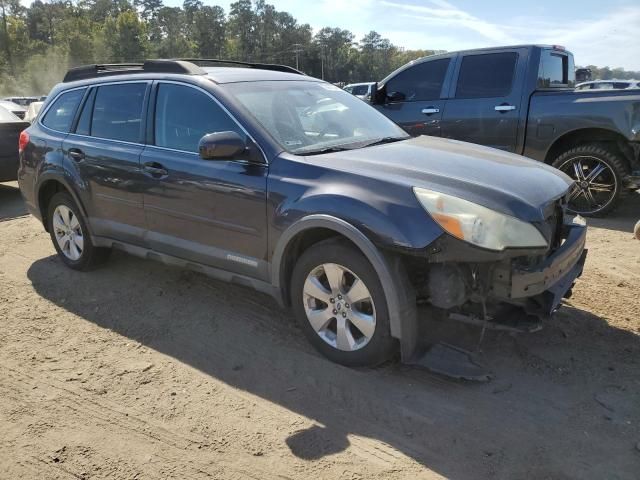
pixel 261 176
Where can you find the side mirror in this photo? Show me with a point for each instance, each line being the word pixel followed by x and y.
pixel 221 146
pixel 395 97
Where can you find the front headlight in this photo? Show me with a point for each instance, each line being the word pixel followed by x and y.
pixel 478 225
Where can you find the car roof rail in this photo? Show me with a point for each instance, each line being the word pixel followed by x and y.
pixel 188 66
pixel 261 66
pixel 149 66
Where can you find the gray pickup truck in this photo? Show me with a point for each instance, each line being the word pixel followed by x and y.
pixel 522 99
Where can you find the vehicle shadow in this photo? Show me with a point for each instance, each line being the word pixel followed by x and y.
pixel 622 219
pixel 11 203
pixel 536 419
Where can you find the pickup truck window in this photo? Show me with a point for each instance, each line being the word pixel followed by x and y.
pixel 360 90
pixel 420 82
pixel 486 76
pixel 556 70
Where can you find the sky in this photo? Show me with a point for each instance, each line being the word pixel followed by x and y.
pixel 602 33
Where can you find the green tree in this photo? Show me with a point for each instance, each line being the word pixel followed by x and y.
pixel 126 37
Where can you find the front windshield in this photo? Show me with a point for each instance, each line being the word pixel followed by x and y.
pixel 309 117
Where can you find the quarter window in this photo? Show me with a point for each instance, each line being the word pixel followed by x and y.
pixel 486 76
pixel 60 116
pixel 117 112
pixel 184 115
pixel 420 82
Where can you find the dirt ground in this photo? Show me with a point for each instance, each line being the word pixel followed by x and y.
pixel 138 370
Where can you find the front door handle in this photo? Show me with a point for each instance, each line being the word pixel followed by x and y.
pixel 76 154
pixel 430 110
pixel 505 107
pixel 155 169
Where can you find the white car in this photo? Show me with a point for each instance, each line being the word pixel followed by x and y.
pixel 608 85
pixel 32 111
pixel 18 110
pixel 361 90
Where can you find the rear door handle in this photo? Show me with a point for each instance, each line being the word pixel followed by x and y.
pixel 76 154
pixel 155 169
pixel 504 108
pixel 430 110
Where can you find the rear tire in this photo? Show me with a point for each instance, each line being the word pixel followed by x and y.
pixel 70 235
pixel 340 305
pixel 598 173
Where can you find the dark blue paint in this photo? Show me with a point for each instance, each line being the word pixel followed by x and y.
pixel 232 214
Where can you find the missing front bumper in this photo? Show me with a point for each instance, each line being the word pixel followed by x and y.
pixel 540 289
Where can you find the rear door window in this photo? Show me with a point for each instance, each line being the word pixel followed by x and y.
pixel 117 112
pixel 420 82
pixel 60 115
pixel 486 76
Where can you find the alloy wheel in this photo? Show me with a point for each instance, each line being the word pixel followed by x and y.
pixel 339 307
pixel 595 184
pixel 68 232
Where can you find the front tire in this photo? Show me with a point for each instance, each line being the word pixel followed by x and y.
pixel 599 175
pixel 340 305
pixel 70 235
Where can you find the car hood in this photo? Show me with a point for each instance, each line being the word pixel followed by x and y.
pixel 502 181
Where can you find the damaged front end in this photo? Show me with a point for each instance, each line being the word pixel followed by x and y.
pixel 513 289
pixel 462 277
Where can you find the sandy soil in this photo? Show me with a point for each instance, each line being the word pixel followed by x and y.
pixel 138 370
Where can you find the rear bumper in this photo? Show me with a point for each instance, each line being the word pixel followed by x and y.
pixel 545 285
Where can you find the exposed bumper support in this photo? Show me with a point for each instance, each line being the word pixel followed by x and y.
pixel 548 283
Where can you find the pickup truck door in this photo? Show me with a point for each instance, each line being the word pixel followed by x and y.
pixel 413 96
pixel 486 98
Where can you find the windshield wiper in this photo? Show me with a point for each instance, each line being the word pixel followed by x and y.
pixel 320 151
pixel 352 146
pixel 383 140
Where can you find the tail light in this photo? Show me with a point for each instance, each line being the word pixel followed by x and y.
pixel 24 140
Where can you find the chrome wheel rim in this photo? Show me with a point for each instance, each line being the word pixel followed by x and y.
pixel 595 184
pixel 68 232
pixel 339 307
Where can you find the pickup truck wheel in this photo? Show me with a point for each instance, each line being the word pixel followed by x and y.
pixel 598 174
pixel 70 234
pixel 340 305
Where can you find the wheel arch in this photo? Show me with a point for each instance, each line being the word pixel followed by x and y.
pixel 314 228
pixel 47 188
pixel 583 136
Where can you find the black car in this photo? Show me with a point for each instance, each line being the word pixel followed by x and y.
pixel 271 179
pixel 522 99
pixel 10 128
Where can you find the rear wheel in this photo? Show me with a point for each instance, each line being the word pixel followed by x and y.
pixel 338 300
pixel 69 233
pixel 598 173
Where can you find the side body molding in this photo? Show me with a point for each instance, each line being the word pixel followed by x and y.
pixel 398 292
